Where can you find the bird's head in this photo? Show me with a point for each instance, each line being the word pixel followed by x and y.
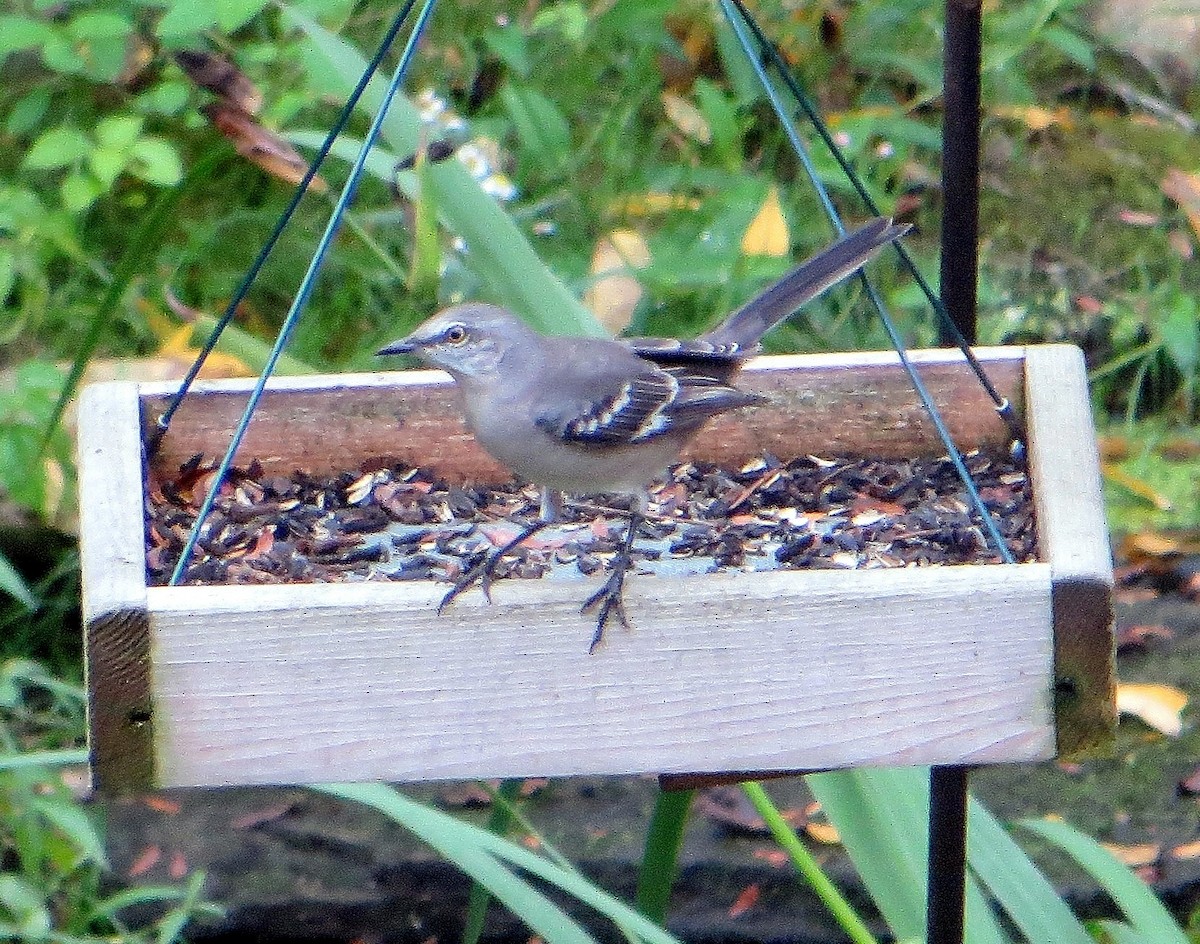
pixel 467 340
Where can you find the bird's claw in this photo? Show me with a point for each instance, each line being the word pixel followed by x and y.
pixel 611 601
pixel 484 572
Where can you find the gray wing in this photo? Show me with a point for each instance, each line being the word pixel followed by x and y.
pixel 625 410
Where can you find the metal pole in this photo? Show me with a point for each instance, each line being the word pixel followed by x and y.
pixel 945 912
pixel 960 163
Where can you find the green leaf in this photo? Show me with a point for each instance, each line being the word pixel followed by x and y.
pixel 156 161
pixel 427 255
pixel 25 906
pixel 510 45
pixel 882 817
pixel 137 256
pixel 12 584
pixel 171 925
pixel 806 864
pixel 476 852
pixel 20 470
pixel 165 98
pixel 569 19
pixel 1180 332
pixel 35 759
pixel 660 860
pixel 1072 45
pixel 8 272
pixel 119 131
pixel 70 819
pixel 20 32
pixel 234 14
pixel 58 147
pixel 183 21
pixel 1148 916
pixel 721 115
pixel 60 55
pixel 1023 892
pixel 94 24
pixel 28 110
pixel 541 127
pixel 106 164
pixel 79 191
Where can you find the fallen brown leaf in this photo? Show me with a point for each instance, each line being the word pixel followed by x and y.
pixel 745 901
pixel 776 858
pixel 1136 637
pixel 260 146
pixel 264 814
pixel 221 77
pixel 145 861
pixel 178 867
pixel 161 804
pixel 1190 785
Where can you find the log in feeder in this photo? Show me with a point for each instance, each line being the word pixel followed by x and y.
pixel 737 672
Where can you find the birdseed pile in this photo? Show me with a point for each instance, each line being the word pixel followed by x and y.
pixel 385 521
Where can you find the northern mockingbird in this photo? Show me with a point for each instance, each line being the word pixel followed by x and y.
pixel 587 415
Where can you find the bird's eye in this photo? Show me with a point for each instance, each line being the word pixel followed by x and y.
pixel 456 334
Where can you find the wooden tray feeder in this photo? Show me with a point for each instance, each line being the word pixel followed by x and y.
pixel 776 671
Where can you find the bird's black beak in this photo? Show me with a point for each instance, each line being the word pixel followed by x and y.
pixel 403 346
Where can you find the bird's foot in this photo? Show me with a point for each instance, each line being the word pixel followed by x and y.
pixel 485 571
pixel 609 599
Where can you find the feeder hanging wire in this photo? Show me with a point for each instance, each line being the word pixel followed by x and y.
pixel 306 284
pixel 739 29
pixel 1002 405
pixel 164 419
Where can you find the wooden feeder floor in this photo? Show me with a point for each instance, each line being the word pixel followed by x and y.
pixel 387 521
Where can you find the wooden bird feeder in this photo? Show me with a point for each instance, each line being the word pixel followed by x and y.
pixel 777 671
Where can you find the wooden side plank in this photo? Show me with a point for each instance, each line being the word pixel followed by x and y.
pixel 113 558
pixel 768 671
pixel 1073 538
pixel 848 404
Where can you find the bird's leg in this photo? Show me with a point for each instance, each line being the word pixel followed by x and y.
pixel 609 597
pixel 483 572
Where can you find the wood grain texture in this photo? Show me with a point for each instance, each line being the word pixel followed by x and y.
pixel 732 672
pixel 726 672
pixel 112 544
pixel 846 404
pixel 113 559
pixel 1073 536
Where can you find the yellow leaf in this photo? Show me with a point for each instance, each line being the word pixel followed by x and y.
pixel 1135 857
pixel 614 294
pixel 1036 118
pixel 686 117
pixel 767 234
pixel 1135 486
pixel 1184 189
pixel 178 347
pixel 655 201
pixel 824 833
pixel 1159 706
